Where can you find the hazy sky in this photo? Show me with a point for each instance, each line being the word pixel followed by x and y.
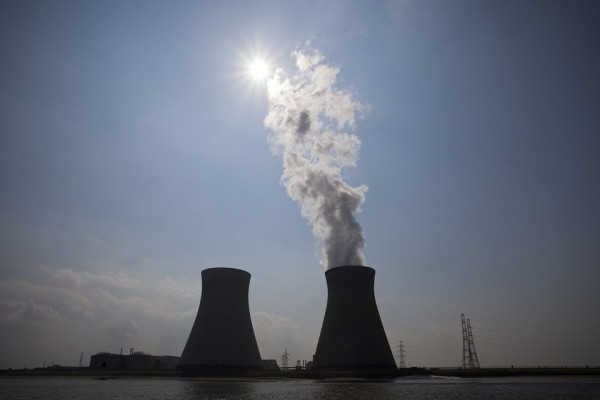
pixel 134 154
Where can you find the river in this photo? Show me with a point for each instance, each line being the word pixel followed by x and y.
pixel 522 388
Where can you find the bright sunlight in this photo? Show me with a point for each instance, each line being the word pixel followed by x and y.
pixel 258 69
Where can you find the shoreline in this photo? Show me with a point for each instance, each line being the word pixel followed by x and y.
pixel 498 372
pixel 293 375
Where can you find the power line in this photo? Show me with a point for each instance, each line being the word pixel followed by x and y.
pixel 537 334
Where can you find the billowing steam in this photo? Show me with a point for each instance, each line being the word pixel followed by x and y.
pixel 308 116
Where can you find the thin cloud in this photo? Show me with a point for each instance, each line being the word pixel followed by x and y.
pixel 24 311
pixel 107 310
pixel 274 333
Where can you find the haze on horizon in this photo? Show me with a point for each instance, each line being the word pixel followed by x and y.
pixel 133 155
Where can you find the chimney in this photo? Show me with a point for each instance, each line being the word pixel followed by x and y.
pixel 222 338
pixel 352 336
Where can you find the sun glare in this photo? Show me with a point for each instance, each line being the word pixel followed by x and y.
pixel 258 70
pixel 254 67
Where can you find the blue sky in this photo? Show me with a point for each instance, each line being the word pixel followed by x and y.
pixel 133 155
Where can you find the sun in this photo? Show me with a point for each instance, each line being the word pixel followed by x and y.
pixel 258 69
pixel 255 65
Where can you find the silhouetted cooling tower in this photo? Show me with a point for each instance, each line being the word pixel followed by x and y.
pixel 222 338
pixel 352 336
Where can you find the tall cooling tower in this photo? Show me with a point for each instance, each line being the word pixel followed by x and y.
pixel 222 338
pixel 352 336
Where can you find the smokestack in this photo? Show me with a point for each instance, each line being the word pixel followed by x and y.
pixel 352 336
pixel 222 338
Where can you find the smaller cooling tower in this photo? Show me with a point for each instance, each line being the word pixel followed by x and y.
pixel 352 336
pixel 222 338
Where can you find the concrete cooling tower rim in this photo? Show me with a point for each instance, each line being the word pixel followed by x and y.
pixel 225 269
pixel 347 267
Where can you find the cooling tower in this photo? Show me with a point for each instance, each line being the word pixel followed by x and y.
pixel 222 338
pixel 352 336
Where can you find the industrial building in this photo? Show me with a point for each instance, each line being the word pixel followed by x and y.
pixel 133 361
pixel 270 365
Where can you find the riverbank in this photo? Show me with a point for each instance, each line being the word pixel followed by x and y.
pixel 307 374
pixel 502 371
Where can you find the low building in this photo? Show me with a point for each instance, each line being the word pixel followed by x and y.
pixel 134 361
pixel 270 365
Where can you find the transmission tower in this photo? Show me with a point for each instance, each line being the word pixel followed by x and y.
pixel 284 359
pixel 470 359
pixel 472 351
pixel 466 358
pixel 81 360
pixel 402 363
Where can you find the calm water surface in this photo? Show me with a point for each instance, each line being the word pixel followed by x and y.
pixel 400 388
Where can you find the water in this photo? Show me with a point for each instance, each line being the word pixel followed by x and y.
pixel 547 388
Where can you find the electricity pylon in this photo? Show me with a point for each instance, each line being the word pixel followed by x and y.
pixel 470 359
pixel 472 351
pixel 401 363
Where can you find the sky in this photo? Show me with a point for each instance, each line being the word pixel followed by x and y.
pixel 135 152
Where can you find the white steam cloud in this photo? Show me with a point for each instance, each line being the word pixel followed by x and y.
pixel 308 116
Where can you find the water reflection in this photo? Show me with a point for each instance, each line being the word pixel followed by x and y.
pixel 580 388
pixel 220 389
pixel 290 389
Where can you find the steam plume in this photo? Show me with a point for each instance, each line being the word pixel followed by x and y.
pixel 308 116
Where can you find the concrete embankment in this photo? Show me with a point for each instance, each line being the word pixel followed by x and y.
pixel 502 371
